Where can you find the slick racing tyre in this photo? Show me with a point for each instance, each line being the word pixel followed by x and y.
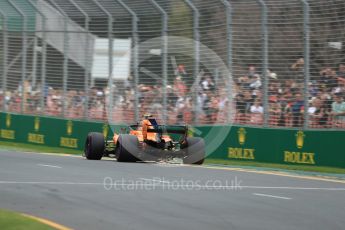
pixel 194 151
pixel 127 148
pixel 94 146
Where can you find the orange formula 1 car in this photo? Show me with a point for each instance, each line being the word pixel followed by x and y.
pixel 147 141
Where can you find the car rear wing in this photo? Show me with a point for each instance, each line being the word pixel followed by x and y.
pixel 169 129
pixel 161 129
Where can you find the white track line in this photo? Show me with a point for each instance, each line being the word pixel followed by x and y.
pixel 49 183
pixel 50 166
pixel 271 196
pixel 264 172
pixel 292 188
pixel 275 173
pixel 161 184
pixel 155 180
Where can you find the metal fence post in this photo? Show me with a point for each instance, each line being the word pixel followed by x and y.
pixel 265 78
pixel 164 53
pixel 110 56
pixel 87 70
pixel 196 31
pixel 43 61
pixel 228 9
pixel 4 61
pixel 34 59
pixel 24 48
pixel 65 59
pixel 135 54
pixel 306 31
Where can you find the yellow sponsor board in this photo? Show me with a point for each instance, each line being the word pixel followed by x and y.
pixel 300 139
pixel 105 130
pixel 240 153
pixel 299 157
pixel 8 120
pixel 8 134
pixel 35 138
pixel 69 128
pixel 69 142
pixel 37 124
pixel 241 135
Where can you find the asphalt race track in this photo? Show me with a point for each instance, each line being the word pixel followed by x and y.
pixel 105 194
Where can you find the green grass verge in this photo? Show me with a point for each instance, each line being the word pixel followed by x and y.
pixel 45 149
pixel 37 148
pixel 15 221
pixel 308 168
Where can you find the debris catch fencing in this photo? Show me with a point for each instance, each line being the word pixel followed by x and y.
pixel 265 63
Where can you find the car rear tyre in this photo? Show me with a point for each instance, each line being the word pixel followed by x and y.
pixel 94 146
pixel 194 150
pixel 127 148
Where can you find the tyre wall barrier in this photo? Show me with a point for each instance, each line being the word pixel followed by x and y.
pixel 315 148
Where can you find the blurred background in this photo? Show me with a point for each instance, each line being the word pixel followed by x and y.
pixel 266 63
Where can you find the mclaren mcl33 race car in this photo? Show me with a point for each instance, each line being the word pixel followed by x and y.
pixel 147 141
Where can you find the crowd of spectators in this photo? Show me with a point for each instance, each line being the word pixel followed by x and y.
pixel 205 101
pixel 286 98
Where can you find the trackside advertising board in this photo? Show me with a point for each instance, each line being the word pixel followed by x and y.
pixel 283 146
pixel 48 131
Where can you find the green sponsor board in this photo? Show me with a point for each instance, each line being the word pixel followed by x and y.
pixel 48 131
pixel 283 146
